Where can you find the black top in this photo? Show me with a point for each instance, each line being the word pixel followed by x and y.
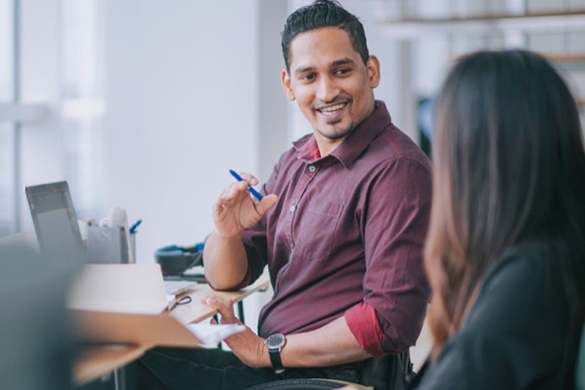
pixel 522 333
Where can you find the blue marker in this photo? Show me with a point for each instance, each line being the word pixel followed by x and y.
pixel 133 227
pixel 256 194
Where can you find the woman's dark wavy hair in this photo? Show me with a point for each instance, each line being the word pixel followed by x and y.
pixel 509 166
pixel 323 13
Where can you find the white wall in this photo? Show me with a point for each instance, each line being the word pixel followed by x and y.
pixel 181 93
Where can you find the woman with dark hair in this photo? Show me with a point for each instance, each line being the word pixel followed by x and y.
pixel 505 252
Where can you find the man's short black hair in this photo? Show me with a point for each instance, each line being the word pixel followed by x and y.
pixel 323 13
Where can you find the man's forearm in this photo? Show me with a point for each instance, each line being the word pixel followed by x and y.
pixel 225 261
pixel 330 345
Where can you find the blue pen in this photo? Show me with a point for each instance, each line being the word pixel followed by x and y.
pixel 133 227
pixel 256 194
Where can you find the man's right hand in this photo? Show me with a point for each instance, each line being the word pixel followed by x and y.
pixel 235 210
pixel 226 261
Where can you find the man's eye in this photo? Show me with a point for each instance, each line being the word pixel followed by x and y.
pixel 342 71
pixel 308 77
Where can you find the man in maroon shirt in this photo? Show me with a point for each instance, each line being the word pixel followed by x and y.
pixel 341 227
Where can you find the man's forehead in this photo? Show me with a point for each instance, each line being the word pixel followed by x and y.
pixel 321 34
pixel 326 46
pixel 303 67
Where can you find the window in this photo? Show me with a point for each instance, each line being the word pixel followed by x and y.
pixel 7 128
pixel 51 103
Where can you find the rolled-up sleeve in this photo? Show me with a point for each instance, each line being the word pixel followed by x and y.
pixel 396 290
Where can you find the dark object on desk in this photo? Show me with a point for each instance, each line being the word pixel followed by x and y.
pixel 174 260
pixel 195 278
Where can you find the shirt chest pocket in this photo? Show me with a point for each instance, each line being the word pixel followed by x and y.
pixel 317 229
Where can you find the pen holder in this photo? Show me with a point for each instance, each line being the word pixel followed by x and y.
pixel 107 244
pixel 133 245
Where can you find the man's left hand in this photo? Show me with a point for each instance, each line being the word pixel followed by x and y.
pixel 246 345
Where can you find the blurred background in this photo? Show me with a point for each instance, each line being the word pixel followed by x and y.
pixel 145 105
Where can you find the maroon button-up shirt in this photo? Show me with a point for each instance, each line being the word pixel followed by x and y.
pixel 346 237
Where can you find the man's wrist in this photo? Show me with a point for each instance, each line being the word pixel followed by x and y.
pixel 274 344
pixel 228 237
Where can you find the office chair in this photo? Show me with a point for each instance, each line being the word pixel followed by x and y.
pixel 580 367
pixel 307 384
pixel 388 373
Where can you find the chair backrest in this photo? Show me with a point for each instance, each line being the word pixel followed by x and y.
pixel 580 367
pixel 307 384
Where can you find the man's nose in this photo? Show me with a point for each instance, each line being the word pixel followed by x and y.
pixel 327 89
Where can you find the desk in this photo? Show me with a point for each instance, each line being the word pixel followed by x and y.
pixel 96 361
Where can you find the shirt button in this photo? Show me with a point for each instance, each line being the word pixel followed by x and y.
pixel 312 168
pixel 293 208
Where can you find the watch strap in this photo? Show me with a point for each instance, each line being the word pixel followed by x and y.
pixel 276 360
pixel 274 344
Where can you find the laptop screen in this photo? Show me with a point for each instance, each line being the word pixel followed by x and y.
pixel 55 222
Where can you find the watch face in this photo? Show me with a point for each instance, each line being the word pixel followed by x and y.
pixel 275 340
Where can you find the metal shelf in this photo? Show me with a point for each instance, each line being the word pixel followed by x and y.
pixel 568 62
pixel 566 58
pixel 541 21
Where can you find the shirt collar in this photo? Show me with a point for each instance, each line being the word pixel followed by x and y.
pixel 353 146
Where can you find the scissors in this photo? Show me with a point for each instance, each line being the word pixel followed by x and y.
pixel 185 299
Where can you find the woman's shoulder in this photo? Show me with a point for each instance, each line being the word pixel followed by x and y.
pixel 520 324
pixel 528 284
pixel 530 260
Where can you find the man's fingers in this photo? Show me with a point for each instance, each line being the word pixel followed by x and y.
pixel 266 203
pixel 224 306
pixel 234 191
pixel 249 178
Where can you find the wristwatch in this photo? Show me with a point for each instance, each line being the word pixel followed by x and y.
pixel 274 344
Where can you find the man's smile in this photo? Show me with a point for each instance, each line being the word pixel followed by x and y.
pixel 333 111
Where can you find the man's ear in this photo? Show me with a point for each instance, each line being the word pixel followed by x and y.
pixel 373 67
pixel 288 92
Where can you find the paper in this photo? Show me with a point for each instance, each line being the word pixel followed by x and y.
pixel 211 334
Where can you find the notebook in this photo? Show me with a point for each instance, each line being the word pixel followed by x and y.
pixel 55 222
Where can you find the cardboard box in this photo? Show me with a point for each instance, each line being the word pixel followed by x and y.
pixel 134 328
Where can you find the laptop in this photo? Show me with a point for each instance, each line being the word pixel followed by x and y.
pixel 55 223
pixel 57 230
